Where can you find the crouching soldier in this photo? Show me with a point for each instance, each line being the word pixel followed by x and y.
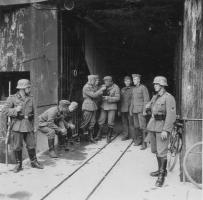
pixel 89 106
pixel 51 123
pixel 109 107
pixel 163 109
pixel 20 108
pixel 124 106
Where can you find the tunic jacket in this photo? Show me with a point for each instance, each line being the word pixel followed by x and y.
pixel 22 121
pixel 162 105
pixel 113 94
pixel 140 97
pixel 126 97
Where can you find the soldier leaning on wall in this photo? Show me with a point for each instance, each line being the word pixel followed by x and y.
pixel 20 108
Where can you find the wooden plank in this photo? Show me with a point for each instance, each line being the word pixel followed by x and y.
pixel 192 79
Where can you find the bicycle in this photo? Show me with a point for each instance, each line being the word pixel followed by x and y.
pixel 198 146
pixel 175 144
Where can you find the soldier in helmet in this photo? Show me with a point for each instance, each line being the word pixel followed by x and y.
pixel 140 97
pixel 110 99
pixel 163 109
pixel 124 105
pixel 51 123
pixel 20 108
pixel 91 93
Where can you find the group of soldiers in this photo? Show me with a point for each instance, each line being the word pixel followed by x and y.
pixel 101 104
pixel 133 104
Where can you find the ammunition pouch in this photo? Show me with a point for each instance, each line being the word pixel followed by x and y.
pixel 160 117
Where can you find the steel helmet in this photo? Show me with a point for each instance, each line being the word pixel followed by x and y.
pixel 23 83
pixel 161 80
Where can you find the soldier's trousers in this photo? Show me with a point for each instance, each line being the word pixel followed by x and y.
pixel 108 115
pixel 127 122
pixel 88 119
pixel 159 146
pixel 17 138
pixel 139 121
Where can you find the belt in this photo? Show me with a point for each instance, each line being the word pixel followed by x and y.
pixel 21 117
pixel 159 117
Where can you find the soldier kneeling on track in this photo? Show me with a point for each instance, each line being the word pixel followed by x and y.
pixel 51 122
pixel 163 109
pixel 20 108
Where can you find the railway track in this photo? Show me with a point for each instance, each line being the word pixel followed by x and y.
pixel 81 168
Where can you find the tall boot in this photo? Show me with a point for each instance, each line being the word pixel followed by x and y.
pixel 18 157
pixel 156 173
pixel 144 144
pixel 109 134
pixel 99 133
pixel 91 133
pixel 52 152
pixel 162 173
pixel 33 159
pixel 137 138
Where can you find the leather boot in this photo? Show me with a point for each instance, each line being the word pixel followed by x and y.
pixel 18 157
pixel 109 134
pixel 52 152
pixel 162 173
pixel 99 133
pixel 33 159
pixel 91 133
pixel 137 138
pixel 156 173
pixel 144 144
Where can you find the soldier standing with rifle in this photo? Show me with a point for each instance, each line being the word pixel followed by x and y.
pixel 163 109
pixel 20 108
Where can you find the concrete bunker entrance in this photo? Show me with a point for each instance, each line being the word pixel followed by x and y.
pixel 122 41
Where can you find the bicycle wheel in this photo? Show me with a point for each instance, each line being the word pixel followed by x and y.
pixel 186 172
pixel 174 149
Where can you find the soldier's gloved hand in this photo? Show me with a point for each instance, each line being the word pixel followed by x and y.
pixel 164 135
pixel 63 131
pixel 18 108
pixel 72 126
pixel 119 113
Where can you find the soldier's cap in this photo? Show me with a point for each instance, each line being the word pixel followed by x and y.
pixel 127 78
pixel 74 104
pixel 136 75
pixel 91 77
pixel 23 83
pixel 64 103
pixel 107 78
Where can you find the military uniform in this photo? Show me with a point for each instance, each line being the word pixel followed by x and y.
pixel 124 106
pixel 51 123
pixel 109 106
pixel 22 124
pixel 89 105
pixel 140 97
pixel 163 109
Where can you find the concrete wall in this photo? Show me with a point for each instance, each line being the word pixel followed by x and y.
pixel 192 80
pixel 29 42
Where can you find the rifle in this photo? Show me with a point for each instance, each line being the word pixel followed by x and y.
pixel 8 133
